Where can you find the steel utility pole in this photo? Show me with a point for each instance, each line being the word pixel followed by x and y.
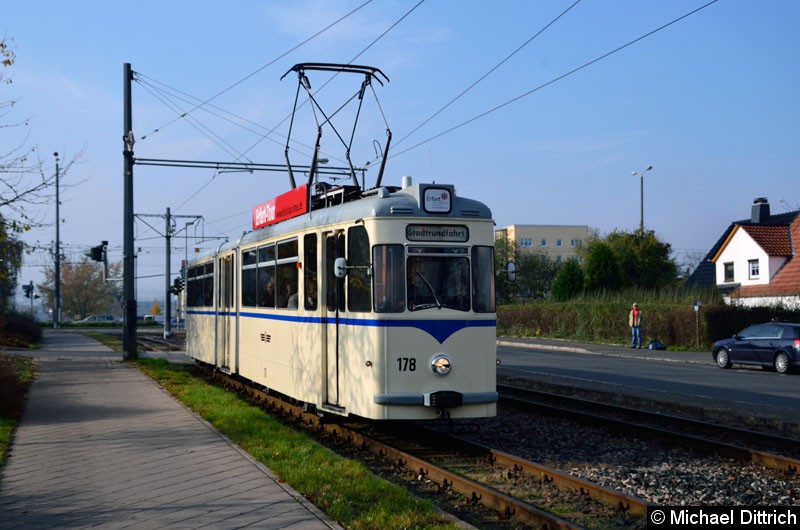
pixel 57 301
pixel 167 278
pixel 128 257
pixel 169 232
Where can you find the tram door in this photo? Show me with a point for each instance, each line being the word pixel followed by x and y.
pixel 333 305
pixel 225 310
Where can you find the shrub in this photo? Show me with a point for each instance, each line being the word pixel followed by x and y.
pixel 19 330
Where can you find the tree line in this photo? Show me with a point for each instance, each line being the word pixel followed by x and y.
pixel 619 261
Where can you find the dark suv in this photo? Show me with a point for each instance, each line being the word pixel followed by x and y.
pixel 771 345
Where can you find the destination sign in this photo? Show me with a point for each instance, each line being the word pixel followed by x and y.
pixel 449 233
pixel 284 206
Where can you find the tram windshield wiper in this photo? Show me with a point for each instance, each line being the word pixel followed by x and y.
pixel 433 292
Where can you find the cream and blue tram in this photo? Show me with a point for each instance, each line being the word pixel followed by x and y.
pixel 379 305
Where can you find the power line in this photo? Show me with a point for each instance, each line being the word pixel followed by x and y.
pixel 194 122
pixel 379 37
pixel 556 79
pixel 487 74
pixel 270 131
pixel 270 63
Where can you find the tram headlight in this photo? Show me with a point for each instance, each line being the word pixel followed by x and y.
pixel 441 365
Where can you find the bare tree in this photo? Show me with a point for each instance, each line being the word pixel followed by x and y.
pixel 27 183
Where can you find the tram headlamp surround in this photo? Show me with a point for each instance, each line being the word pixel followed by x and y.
pixel 441 365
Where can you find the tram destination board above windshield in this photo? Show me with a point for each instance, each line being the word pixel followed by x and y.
pixel 284 206
pixel 444 233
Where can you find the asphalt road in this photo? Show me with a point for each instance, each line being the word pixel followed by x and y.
pixel 689 375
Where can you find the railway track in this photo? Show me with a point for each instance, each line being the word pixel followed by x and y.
pixel 512 489
pixel 508 490
pixel 745 445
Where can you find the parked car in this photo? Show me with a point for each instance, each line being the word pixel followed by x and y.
pixel 770 345
pixel 96 318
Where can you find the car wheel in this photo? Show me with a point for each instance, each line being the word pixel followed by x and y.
pixel 781 362
pixel 723 359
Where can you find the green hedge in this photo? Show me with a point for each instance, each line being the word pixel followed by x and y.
pixel 607 322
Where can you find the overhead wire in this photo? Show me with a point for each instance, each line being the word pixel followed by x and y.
pixel 488 73
pixel 203 103
pixel 194 122
pixel 267 65
pixel 272 130
pixel 359 54
pixel 555 79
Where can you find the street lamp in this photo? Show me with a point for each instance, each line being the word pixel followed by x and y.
pixel 641 195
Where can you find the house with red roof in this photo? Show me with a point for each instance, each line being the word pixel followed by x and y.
pixel 756 261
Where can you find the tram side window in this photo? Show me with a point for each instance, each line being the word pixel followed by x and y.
pixel 266 276
pixel 198 295
pixel 334 287
pixel 310 287
pixel 483 279
pixel 359 289
pixel 191 287
pixel 249 277
pixel 389 294
pixel 200 286
pixel 288 277
pixel 208 285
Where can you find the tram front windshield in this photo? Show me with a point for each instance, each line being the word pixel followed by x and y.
pixel 420 278
pixel 437 281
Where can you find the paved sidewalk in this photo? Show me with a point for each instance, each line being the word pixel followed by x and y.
pixel 612 350
pixel 101 445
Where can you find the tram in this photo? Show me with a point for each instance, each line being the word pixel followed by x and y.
pixel 376 304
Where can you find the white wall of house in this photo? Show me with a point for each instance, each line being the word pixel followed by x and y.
pixel 740 251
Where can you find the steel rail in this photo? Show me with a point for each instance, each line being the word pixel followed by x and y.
pixel 622 501
pixel 786 464
pixel 505 505
pixel 509 507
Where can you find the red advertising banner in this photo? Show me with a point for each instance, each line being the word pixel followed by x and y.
pixel 285 206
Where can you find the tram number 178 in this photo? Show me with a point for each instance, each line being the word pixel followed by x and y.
pixel 406 364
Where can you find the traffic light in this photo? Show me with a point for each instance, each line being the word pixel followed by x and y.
pixel 177 286
pixel 28 288
pixel 97 253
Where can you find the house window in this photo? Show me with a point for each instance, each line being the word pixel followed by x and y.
pixel 525 242
pixel 728 272
pixel 544 242
pixel 752 265
pixel 558 242
pixel 575 242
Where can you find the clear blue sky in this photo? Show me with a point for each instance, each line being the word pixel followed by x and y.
pixel 711 102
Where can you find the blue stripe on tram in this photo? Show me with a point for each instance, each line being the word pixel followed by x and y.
pixel 441 330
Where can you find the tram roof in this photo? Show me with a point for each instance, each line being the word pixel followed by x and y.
pixel 384 202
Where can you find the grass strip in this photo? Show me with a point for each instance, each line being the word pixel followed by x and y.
pixel 345 490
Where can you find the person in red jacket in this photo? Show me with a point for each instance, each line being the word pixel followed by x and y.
pixel 635 323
